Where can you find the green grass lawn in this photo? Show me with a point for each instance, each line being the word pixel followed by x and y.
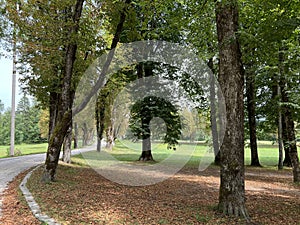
pixel 24 149
pixel 129 152
pixel 268 155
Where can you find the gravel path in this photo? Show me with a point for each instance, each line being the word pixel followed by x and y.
pixel 11 167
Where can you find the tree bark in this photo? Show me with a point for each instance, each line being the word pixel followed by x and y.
pixel 276 97
pixel 250 93
pixel 110 137
pixel 282 85
pixel 146 136
pixel 85 134
pixel 213 115
pixel 75 135
pixel 231 79
pixel 290 145
pixel 280 143
pixel 146 145
pixel 67 146
pixel 64 117
pixel 145 70
pixel 287 159
pixel 100 110
pixel 53 108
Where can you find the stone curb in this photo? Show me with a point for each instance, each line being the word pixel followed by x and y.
pixel 35 209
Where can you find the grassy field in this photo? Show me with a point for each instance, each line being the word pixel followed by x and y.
pixel 130 152
pixel 24 149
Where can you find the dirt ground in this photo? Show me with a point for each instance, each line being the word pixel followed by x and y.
pixel 82 196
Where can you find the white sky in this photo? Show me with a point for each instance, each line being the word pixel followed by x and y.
pixel 6 82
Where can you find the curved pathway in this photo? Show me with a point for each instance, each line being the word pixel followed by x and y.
pixel 11 167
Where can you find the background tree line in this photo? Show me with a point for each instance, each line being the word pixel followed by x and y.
pixel 28 129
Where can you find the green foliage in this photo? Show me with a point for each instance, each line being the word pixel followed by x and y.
pixel 43 35
pixel 5 127
pixel 26 122
pixel 270 28
pixel 267 28
pixel 1 106
pixel 143 111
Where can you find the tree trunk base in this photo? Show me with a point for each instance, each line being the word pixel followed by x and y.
pixel 232 209
pixel 296 166
pixel 296 173
pixel 99 141
pixel 48 176
pixel 217 161
pixel 287 164
pixel 255 164
pixel 67 158
pixel 146 156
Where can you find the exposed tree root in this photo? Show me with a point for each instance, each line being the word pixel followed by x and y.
pixel 236 210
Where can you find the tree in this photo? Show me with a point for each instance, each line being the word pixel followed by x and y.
pixel 143 111
pixel 213 115
pixel 231 79
pixel 27 122
pixel 251 111
pixel 64 117
pixel 290 145
pixel 58 40
pixel 44 29
pixel 5 128
pixel 1 107
pixel 267 38
pixel 44 123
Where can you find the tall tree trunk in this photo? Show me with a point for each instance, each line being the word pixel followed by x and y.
pixel 146 153
pixel 99 144
pixel 110 137
pixel 231 79
pixel 282 85
pixel 276 96
pixel 75 135
pixel 146 144
pixel 145 70
pixel 287 159
pixel 293 147
pixel 250 93
pixel 280 143
pixel 85 134
pixel 99 124
pixel 100 118
pixel 67 146
pixel 213 115
pixel 53 110
pixel 64 118
pixel 290 144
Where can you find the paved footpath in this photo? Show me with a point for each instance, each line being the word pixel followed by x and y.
pixel 11 167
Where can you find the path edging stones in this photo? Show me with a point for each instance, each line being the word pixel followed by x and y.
pixel 35 209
